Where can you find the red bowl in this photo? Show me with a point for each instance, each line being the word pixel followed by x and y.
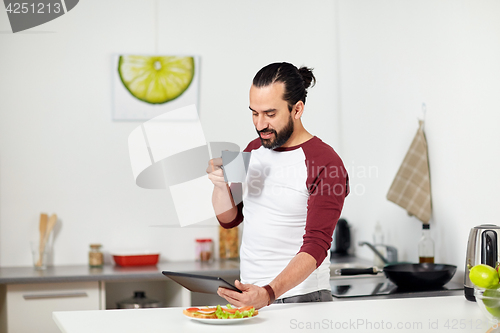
pixel 136 260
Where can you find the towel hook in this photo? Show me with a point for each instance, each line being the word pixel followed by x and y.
pixel 424 112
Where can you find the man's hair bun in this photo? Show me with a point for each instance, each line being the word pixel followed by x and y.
pixel 307 76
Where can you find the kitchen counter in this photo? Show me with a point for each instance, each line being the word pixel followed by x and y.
pixel 17 275
pixel 436 314
pixel 74 273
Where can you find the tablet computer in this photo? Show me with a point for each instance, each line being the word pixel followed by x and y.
pixel 200 283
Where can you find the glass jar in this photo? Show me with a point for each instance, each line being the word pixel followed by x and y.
pixel 204 249
pixel 96 257
pixel 228 243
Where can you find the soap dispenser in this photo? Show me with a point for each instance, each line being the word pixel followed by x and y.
pixel 378 241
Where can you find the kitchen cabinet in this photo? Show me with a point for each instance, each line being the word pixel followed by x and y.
pixel 28 308
pixel 169 293
pixel 28 297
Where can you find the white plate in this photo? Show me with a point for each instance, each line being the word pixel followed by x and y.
pixel 221 321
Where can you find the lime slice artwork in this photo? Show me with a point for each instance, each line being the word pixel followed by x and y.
pixel 156 79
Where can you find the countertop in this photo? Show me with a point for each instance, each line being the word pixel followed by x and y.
pixel 16 275
pixel 434 314
pixel 76 273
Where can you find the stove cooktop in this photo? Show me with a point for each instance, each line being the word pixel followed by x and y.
pixel 378 287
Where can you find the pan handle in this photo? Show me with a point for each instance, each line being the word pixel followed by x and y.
pixel 357 271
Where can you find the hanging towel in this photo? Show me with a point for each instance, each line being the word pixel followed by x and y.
pixel 411 188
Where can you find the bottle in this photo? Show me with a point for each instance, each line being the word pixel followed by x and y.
pixel 96 257
pixel 378 240
pixel 426 246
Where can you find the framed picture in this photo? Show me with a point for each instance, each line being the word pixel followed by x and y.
pixel 145 86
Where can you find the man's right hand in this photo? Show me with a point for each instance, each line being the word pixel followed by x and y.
pixel 222 200
pixel 215 172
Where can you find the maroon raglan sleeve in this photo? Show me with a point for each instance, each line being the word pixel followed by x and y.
pixel 328 185
pixel 236 192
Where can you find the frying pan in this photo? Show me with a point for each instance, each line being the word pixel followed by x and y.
pixel 411 276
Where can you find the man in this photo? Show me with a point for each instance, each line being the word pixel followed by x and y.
pixel 292 198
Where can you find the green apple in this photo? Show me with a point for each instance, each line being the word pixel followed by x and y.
pixel 484 276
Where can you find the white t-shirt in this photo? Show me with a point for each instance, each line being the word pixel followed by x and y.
pixel 292 200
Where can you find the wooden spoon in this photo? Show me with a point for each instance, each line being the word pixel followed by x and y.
pixel 50 225
pixel 43 228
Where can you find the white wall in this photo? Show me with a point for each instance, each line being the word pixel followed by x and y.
pixel 61 152
pixel 394 56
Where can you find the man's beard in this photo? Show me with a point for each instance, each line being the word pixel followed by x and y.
pixel 280 138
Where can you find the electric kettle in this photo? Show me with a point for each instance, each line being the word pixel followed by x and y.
pixel 483 247
pixel 341 240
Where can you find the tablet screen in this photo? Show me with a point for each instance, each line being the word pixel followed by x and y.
pixel 200 283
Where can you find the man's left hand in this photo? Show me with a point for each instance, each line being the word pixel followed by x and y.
pixel 251 295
